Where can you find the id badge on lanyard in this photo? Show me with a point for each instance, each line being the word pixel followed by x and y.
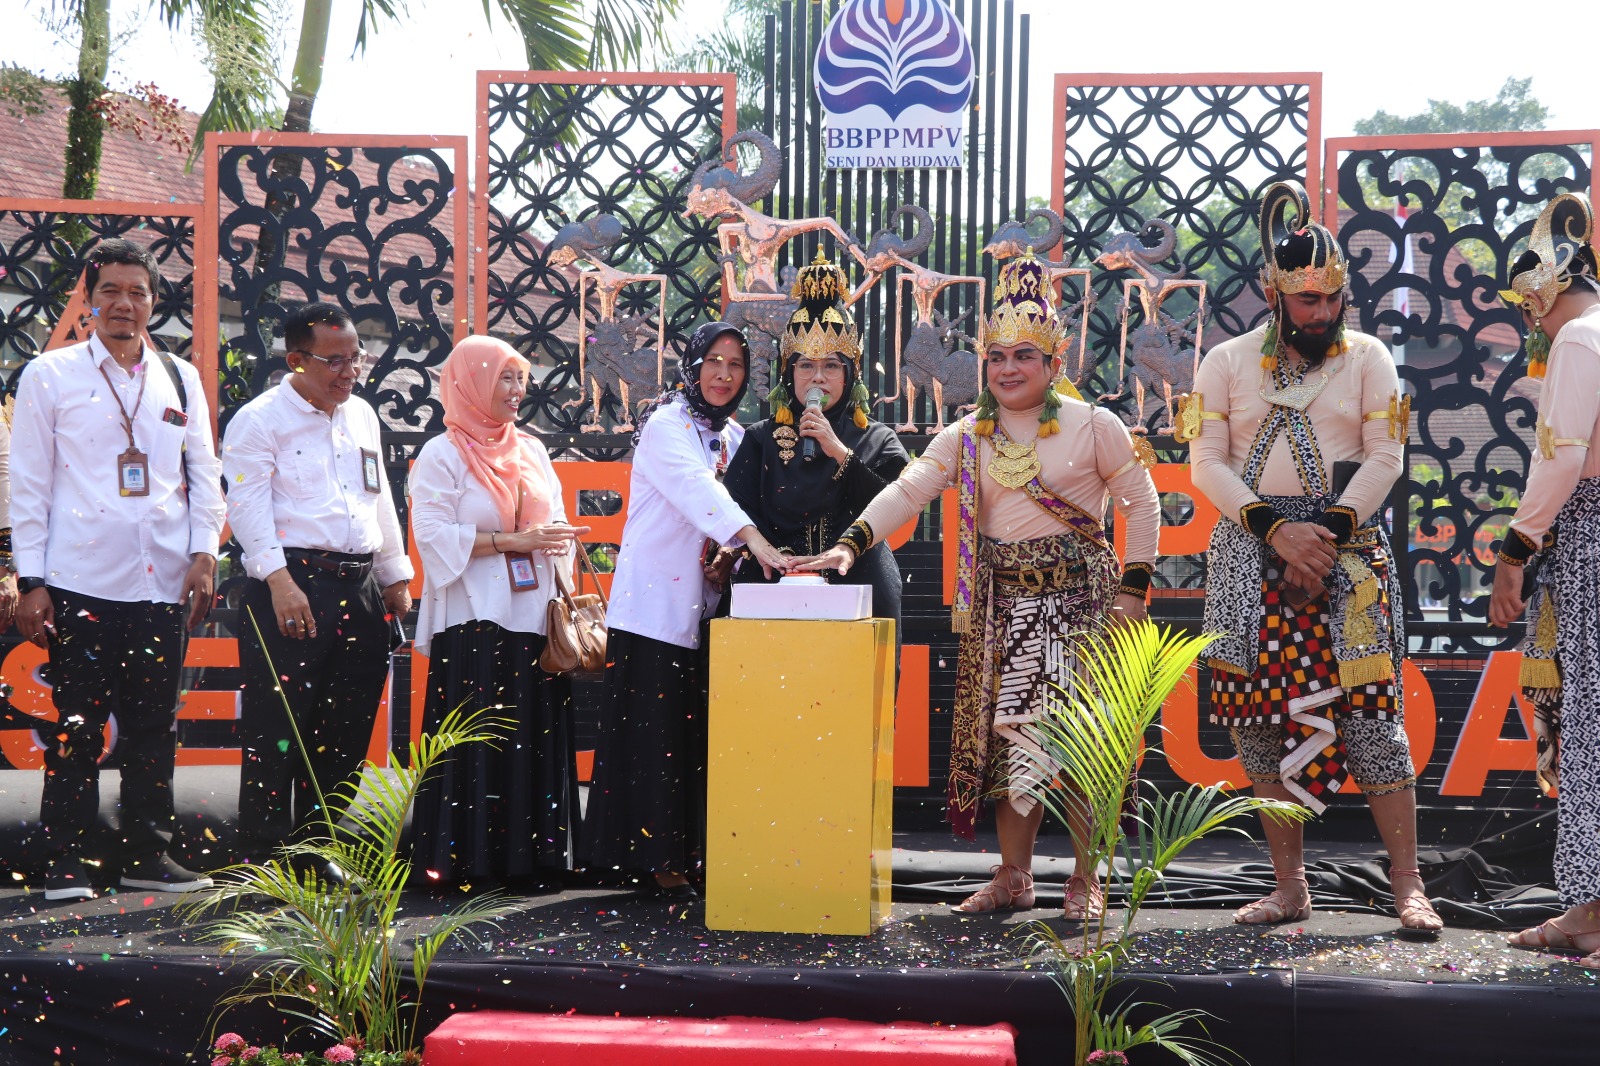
pixel 519 565
pixel 133 466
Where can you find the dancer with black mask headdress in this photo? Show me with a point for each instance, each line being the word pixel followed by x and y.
pixel 1298 431
pixel 804 502
pixel 646 811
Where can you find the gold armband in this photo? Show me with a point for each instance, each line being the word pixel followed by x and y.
pixel 1192 414
pixel 1398 414
pixel 1549 442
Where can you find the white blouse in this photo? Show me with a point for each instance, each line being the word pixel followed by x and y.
pixel 448 508
pixel 675 502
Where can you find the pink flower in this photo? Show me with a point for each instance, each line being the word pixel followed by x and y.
pixel 293 1056
pixel 249 1054
pixel 229 1044
pixel 1106 1058
pixel 222 1060
pixel 339 1053
pixel 354 1042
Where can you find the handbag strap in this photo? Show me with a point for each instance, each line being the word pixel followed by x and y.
pixel 588 564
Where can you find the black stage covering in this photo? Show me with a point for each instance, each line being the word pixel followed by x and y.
pixel 119 980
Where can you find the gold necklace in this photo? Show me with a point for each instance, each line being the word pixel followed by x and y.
pixel 1296 395
pixel 1013 465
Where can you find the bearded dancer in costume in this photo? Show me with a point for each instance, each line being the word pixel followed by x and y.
pixel 1554 286
pixel 1036 574
pixel 802 495
pixel 1298 434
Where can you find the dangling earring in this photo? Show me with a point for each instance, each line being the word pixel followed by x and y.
pixel 1538 350
pixel 988 407
pixel 861 399
pixel 1269 342
pixel 1048 423
pixel 778 400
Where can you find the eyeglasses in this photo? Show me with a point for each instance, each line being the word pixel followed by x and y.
pixel 339 363
pixel 827 366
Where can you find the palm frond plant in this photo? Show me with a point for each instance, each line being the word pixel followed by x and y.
pixel 1096 733
pixel 335 950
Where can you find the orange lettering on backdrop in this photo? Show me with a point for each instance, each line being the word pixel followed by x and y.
pixel 1193 536
pixel 1421 716
pixel 1180 740
pixel 1481 747
pixel 911 718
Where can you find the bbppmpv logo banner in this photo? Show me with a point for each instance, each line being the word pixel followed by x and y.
pixel 894 78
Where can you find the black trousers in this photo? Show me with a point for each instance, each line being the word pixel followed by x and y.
pixel 112 658
pixel 331 682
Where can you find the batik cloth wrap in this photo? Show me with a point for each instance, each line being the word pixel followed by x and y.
pixel 1027 606
pixel 1569 582
pixel 1281 663
pixel 1541 670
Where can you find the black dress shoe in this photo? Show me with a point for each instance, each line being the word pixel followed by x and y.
pixel 683 893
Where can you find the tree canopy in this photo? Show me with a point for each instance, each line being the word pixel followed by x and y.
pixel 1514 107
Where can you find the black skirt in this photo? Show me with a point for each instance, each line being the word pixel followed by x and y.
pixel 647 801
pixel 507 810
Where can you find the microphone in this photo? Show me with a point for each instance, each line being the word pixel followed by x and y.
pixel 808 447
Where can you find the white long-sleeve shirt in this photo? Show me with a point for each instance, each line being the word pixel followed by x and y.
pixel 449 507
pixel 70 523
pixel 295 480
pixel 674 503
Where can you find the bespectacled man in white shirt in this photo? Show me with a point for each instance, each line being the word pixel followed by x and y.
pixel 116 511
pixel 311 506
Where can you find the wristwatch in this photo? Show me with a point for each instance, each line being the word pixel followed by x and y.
pixel 28 584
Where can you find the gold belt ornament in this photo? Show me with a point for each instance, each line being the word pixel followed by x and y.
pixel 1036 581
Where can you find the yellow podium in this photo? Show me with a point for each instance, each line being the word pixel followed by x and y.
pixel 801 775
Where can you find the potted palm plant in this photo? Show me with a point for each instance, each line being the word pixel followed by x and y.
pixel 1097 734
pixel 331 952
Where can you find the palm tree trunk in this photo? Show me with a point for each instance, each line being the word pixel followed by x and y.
pixel 307 79
pixel 85 124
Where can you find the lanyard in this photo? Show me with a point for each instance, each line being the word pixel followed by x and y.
pixel 127 418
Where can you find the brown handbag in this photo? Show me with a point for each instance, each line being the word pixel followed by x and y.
pixel 575 626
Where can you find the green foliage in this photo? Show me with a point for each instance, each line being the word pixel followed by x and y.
pixel 738 45
pixel 335 950
pixel 1514 107
pixel 22 92
pixel 1096 733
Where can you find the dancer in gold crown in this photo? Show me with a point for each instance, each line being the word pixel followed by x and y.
pixel 1298 432
pixel 1034 471
pixel 1553 285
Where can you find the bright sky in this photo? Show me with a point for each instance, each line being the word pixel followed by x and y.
pixel 418 78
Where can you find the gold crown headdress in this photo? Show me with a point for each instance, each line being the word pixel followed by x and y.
pixel 1024 310
pixel 1024 313
pixel 819 327
pixel 1319 262
pixel 1564 227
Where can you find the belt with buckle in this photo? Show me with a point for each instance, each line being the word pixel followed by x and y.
pixel 344 567
pixel 1065 573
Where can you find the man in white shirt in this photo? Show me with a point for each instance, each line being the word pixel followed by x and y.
pixel 116 512
pixel 311 507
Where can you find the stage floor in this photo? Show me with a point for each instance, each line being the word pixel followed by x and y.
pixel 121 976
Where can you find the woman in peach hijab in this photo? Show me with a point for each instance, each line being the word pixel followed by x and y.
pixel 488 521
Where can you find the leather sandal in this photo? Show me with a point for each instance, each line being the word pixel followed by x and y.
pixel 1084 900
pixel 1540 938
pixel 1275 908
pixel 1010 890
pixel 1416 913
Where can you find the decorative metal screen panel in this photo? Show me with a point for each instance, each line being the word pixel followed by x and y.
pixel 1431 225
pixel 1195 150
pixel 559 148
pixel 366 222
pixel 42 249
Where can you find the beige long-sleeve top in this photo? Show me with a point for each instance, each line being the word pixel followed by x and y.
pixel 1361 382
pixel 1569 405
pixel 1090 461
